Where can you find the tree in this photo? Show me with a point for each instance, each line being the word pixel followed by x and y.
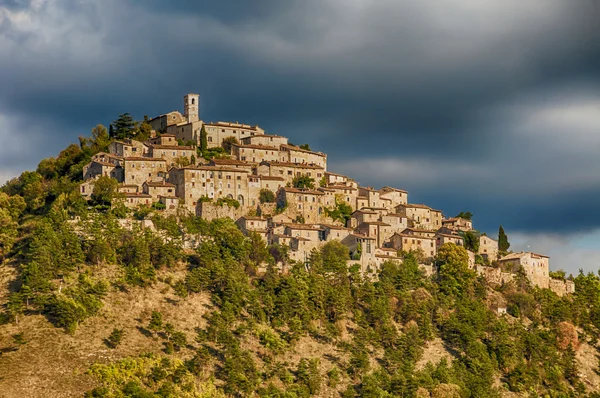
pixel 503 243
pixel 203 140
pixel 266 196
pixel 465 215
pixel 454 275
pixel 105 189
pixel 156 322
pixel 123 127
pixel 303 181
pixel 471 241
pixel 115 338
pixel 228 142
pixel 342 211
pixel 100 137
pixel 305 147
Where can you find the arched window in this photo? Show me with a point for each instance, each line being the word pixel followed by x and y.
pixel 240 199
pixel 193 101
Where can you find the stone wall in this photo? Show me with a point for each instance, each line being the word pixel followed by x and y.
pixel 494 275
pixel 561 287
pixel 209 211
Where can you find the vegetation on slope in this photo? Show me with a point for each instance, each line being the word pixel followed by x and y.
pixel 252 340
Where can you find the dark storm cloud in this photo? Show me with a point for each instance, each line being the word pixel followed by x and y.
pixel 424 84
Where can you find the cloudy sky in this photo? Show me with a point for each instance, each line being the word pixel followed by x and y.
pixel 491 107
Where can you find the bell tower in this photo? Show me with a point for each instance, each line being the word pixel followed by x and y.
pixel 191 107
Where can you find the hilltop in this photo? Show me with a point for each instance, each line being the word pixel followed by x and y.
pixel 173 257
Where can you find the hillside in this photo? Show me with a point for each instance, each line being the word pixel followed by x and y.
pixel 106 301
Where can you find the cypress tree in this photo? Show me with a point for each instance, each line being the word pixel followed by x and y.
pixel 503 243
pixel 203 140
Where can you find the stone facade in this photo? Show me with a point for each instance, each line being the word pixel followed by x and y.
pixel 488 248
pixel 535 266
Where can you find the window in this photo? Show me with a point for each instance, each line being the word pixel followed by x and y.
pixel 209 139
pixel 238 178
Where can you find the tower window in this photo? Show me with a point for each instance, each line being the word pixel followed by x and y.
pixel 193 101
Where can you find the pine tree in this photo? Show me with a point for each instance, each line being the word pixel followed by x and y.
pixel 124 126
pixel 503 243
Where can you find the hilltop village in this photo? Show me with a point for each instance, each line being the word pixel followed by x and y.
pixel 286 194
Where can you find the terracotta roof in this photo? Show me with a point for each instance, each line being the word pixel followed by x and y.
pixel 231 124
pixel 254 218
pixel 104 163
pixel 159 184
pixel 302 226
pixel 231 161
pixel 295 148
pixel 330 226
pixel 139 158
pixel 304 191
pixel 261 147
pixel 418 230
pixel 268 178
pixel 365 211
pixel 338 186
pixel 414 236
pixel 301 238
pixel 386 188
pixel 215 168
pixel 136 195
pixel 289 164
pixel 381 223
pixel 450 236
pixel 335 174
pixel 172 147
pixel 168 197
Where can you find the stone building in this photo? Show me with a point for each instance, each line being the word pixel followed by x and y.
pixel 213 182
pixel 141 169
pixel 158 188
pixel 458 224
pixel 421 215
pixel 294 154
pixel 217 132
pixel 127 148
pixel 441 239
pixel 407 242
pixel 304 204
pixel 488 248
pixel 171 153
pixel 255 153
pixel 265 140
pixel 535 266
pixel 288 171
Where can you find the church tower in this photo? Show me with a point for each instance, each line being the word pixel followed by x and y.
pixel 191 107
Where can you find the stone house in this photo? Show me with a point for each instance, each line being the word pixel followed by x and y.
pixel 408 242
pixel 335 232
pixel 379 230
pixel 127 148
pixel 217 132
pixel 171 202
pixel 265 140
pixel 458 224
pixel 213 182
pixel 164 139
pixel 394 195
pixel 441 239
pixel 258 225
pixel 535 266
pixel 128 188
pixel 294 154
pixel 363 246
pixel 97 168
pixel 133 200
pixel 158 188
pixel 334 179
pixel 254 153
pixel 423 216
pixel 239 164
pixel 303 203
pixel 363 215
pixel 171 153
pixel 141 169
pixel 397 221
pixel 160 123
pixel 288 171
pixel 488 248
